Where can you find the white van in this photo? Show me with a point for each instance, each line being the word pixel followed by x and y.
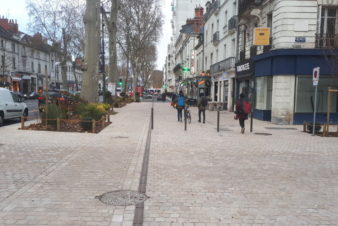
pixel 11 106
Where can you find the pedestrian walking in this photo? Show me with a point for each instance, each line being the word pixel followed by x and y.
pixel 180 105
pixel 243 108
pixel 202 104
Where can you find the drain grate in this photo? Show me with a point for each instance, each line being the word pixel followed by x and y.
pixel 225 129
pixel 264 134
pixel 122 198
pixel 120 137
pixel 281 128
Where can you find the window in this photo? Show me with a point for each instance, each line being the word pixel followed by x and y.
pixel 328 23
pixel 212 30
pixel 39 68
pixel 2 43
pixel 216 60
pixel 13 63
pixel 45 69
pixel 211 58
pixel 15 98
pixel 32 65
pixel 52 65
pixel 32 53
pixel 2 61
pixel 206 63
pixel 13 47
pixel 234 8
pixel 225 51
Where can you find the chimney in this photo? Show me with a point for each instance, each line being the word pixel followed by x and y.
pixel 9 25
pixel 199 12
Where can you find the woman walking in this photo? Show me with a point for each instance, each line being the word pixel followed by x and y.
pixel 242 110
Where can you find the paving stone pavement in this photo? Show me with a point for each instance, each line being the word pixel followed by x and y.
pixel 52 178
pixel 195 177
pixel 201 177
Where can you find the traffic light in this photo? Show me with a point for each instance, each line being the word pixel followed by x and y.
pixel 120 83
pixel 185 69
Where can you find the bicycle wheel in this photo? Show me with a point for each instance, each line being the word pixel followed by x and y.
pixel 189 117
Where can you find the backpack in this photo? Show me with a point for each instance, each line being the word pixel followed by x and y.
pixel 246 107
pixel 180 101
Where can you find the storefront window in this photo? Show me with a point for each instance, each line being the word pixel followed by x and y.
pixel 305 93
pixel 263 93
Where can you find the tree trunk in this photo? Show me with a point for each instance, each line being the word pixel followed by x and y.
pixel 112 41
pixel 64 60
pixel 92 45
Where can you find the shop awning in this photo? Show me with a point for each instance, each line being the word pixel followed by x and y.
pixel 26 77
pixel 16 78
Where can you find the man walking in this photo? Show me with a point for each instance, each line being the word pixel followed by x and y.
pixel 202 104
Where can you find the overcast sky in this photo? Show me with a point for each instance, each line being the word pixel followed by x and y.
pixel 16 9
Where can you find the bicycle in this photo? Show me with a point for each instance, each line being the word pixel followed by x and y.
pixel 187 114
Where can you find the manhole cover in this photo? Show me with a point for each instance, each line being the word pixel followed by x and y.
pixel 281 128
pixel 122 198
pixel 264 134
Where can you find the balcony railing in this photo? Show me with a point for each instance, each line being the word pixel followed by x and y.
pixel 247 4
pixel 215 38
pixel 223 65
pixel 327 41
pixel 232 24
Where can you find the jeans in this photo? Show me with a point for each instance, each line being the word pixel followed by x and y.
pixel 199 115
pixel 179 114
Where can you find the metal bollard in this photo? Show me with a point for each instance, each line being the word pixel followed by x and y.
pixel 152 118
pixel 217 120
pixel 185 120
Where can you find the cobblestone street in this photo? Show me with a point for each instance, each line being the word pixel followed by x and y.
pixel 195 177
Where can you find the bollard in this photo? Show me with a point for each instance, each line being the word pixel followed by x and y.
pixel 152 118
pixel 217 120
pixel 185 120
pixel 58 124
pixel 93 126
pixel 22 122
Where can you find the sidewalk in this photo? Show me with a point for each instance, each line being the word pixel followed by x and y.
pixel 201 177
pixel 52 178
pixel 195 177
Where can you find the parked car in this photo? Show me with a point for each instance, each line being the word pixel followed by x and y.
pixel 11 106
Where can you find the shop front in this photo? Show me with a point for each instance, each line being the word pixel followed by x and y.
pixel 245 82
pixel 284 85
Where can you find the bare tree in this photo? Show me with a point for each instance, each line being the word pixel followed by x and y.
pixel 111 22
pixel 140 23
pixel 60 21
pixel 92 46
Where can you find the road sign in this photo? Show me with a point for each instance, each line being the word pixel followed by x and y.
pixel 315 76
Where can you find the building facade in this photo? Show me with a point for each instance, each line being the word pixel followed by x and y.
pixel 29 62
pixel 277 77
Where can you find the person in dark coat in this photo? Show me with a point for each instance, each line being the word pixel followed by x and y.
pixel 240 114
pixel 202 104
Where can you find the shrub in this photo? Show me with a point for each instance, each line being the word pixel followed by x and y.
pixel 52 113
pixel 91 111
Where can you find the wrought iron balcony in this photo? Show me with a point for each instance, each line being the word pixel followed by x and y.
pixel 247 4
pixel 329 41
pixel 215 38
pixel 232 24
pixel 223 65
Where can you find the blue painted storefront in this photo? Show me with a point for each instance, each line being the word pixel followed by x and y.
pixel 296 62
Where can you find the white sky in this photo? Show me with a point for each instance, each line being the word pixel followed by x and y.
pixel 16 9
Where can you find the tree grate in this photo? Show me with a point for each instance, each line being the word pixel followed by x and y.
pixel 122 198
